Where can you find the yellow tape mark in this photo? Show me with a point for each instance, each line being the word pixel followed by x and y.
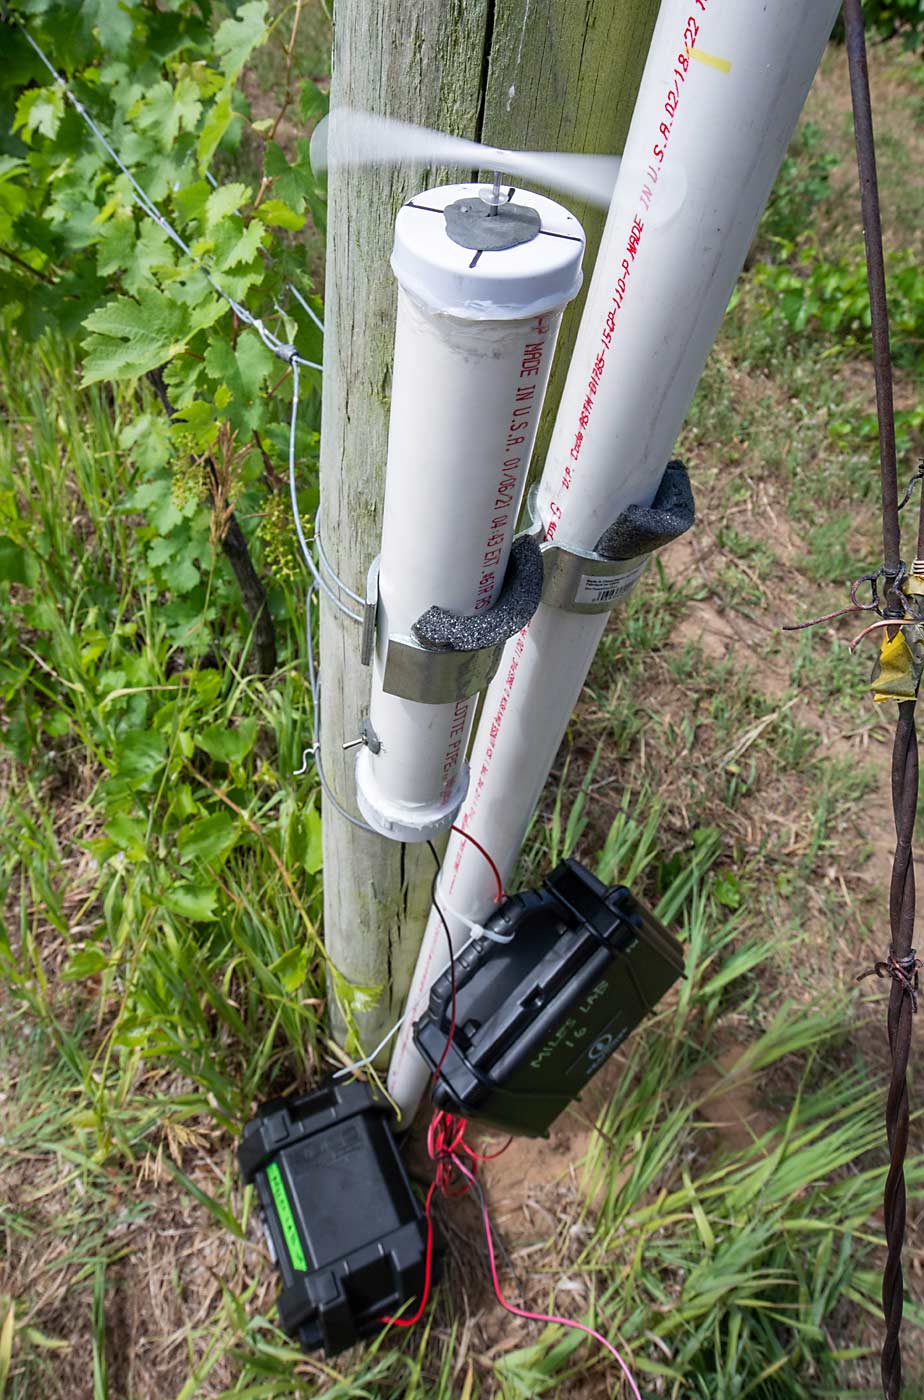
pixel 895 680
pixel 723 65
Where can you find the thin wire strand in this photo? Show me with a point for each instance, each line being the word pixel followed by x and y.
pixel 326 564
pixel 281 349
pixel 314 685
pixel 286 352
pixel 305 307
pixel 296 513
pixel 367 1059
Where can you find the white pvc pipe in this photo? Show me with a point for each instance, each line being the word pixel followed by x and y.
pixel 473 348
pixel 721 93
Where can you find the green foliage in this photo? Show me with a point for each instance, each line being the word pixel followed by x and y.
pixel 204 891
pixel 801 186
pixel 885 18
pixel 811 292
pixel 84 260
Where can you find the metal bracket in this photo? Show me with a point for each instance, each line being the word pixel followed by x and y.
pixel 433 677
pixel 370 609
pixel 428 675
pixel 581 580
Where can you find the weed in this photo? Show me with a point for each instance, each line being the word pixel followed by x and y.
pixel 802 184
pixel 160 897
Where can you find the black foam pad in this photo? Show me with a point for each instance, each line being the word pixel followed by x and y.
pixel 640 529
pixel 519 599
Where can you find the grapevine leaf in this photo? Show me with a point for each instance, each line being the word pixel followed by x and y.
pixel 166 110
pixel 116 244
pixel 13 197
pixel 188 99
pixel 132 337
pixel 156 499
pixel 152 252
pixel 195 428
pixel 291 183
pixel 207 313
pixel 113 22
pixel 154 111
pixel 236 39
pixel 214 128
pixel 190 201
pixel 206 81
pixel 277 214
pixel 162 550
pixel 224 201
pixel 313 101
pixel 181 575
pixel 243 372
pixel 41 110
pixel 147 437
pixel 256 363
pixel 245 249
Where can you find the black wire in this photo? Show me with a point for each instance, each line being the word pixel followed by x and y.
pixel 495 1233
pixel 452 958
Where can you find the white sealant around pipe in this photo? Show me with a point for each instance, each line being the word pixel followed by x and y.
pixel 474 343
pixel 723 87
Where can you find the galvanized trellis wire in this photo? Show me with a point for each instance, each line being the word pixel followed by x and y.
pixel 900 966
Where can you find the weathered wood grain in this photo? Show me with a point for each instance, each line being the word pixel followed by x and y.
pixel 540 73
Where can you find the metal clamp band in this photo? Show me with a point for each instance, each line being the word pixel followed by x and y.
pixel 445 662
pixel 433 677
pixel 581 580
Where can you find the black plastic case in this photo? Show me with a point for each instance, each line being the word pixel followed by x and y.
pixel 344 1226
pixel 537 1017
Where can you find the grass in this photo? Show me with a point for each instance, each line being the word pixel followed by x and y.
pixel 712 1204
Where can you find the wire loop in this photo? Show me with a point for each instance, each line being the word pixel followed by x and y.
pixel 903 970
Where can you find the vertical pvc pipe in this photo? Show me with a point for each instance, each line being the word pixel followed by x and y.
pixel 723 87
pixel 473 348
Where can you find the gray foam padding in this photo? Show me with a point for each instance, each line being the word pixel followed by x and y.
pixel 640 529
pixel 519 599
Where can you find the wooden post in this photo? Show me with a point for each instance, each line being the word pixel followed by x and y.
pixel 545 74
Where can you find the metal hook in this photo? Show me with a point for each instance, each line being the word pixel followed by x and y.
pixel 312 750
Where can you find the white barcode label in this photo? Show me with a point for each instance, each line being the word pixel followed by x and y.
pixel 607 588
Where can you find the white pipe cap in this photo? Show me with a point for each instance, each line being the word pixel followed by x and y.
pixel 512 284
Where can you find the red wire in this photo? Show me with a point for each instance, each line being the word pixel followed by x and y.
pixel 446 1133
pixel 445 1139
pixel 542 1317
pixel 485 1156
pixel 428 1269
pixel 494 870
